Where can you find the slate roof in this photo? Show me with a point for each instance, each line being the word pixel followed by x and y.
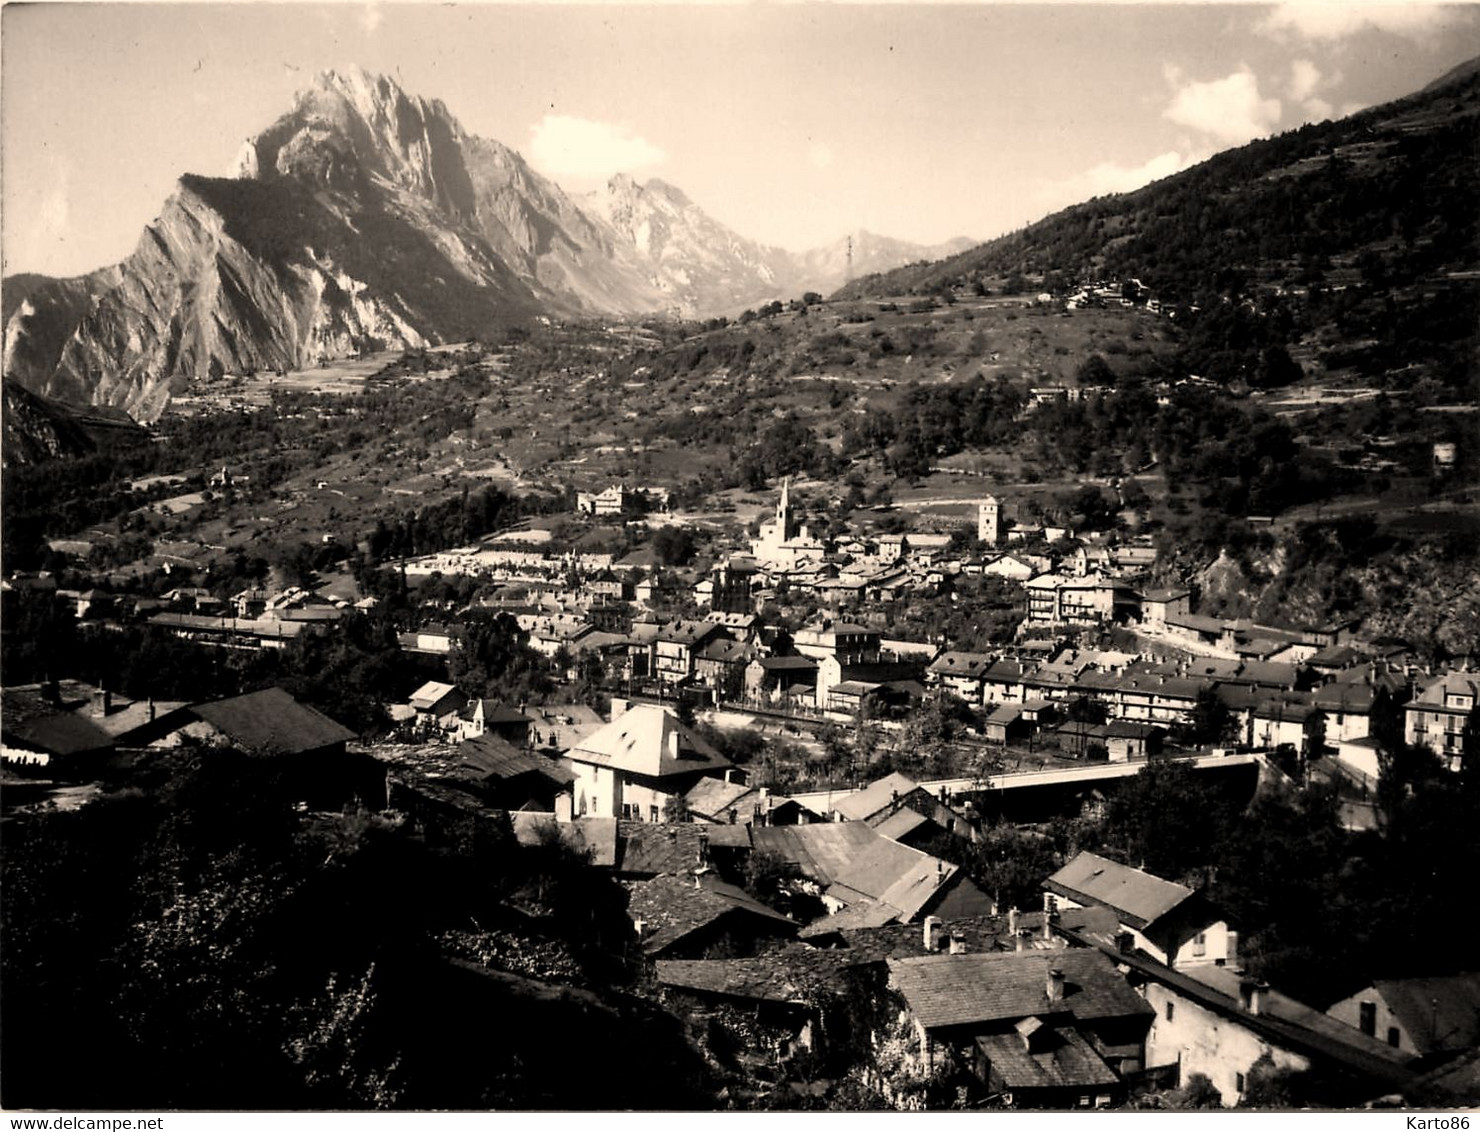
pixel 874 797
pixel 1364 1055
pixel 711 797
pixel 900 824
pixel 29 721
pixel 495 711
pixel 793 975
pixel 651 848
pixel 648 740
pixel 272 722
pixel 788 663
pixel 1001 986
pixel 489 757
pixel 1063 1060
pixel 961 663
pixel 676 909
pixel 821 850
pixel 1137 897
pixel 1439 1013
pixel 894 874
pixel 876 942
pixel 1449 683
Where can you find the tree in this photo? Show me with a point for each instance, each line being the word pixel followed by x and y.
pixel 1166 820
pixel 1277 369
pixel 1095 371
pixel 673 546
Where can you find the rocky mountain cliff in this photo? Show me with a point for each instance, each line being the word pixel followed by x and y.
pixel 37 428
pixel 367 218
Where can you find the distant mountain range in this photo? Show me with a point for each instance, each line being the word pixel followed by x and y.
pixel 368 218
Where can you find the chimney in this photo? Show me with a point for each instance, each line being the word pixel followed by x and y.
pixel 703 848
pixel 1253 995
pixel 1232 949
pixel 1054 988
pixel 52 693
pixel 1012 919
pixel 151 709
pixel 1259 998
pixel 958 945
pixel 932 924
pixel 1048 920
pixel 1124 942
pixel 1020 940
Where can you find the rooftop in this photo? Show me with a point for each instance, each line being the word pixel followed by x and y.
pixel 648 740
pixel 970 989
pixel 272 722
pixel 1137 897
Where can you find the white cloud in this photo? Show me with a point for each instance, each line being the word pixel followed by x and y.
pixel 1305 79
pixel 1316 110
pixel 1231 109
pixel 1109 177
pixel 371 17
pixel 563 146
pixel 1333 21
pixel 820 156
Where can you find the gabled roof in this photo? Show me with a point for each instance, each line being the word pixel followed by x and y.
pixel 961 663
pixel 900 824
pixel 495 711
pixel 865 803
pixel 648 740
pixel 1137 897
pixel 1439 1013
pixel 711 797
pixel 272 722
pixel 1061 1059
pixel 653 848
pixel 821 850
pixel 676 907
pixel 787 663
pixel 1449 684
pixel 488 757
pixel 430 694
pixel 691 633
pixel 29 721
pixel 1003 986
pixel 892 874
pixel 792 975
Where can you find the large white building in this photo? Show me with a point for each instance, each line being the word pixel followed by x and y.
pixel 783 542
pixel 637 764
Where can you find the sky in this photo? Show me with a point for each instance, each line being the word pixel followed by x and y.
pixel 793 123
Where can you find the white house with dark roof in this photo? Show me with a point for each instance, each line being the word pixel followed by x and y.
pixel 1424 1016
pixel 1172 923
pixel 637 764
pixel 1445 715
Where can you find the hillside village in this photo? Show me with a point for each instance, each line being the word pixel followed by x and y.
pixel 780 891
pixel 1039 678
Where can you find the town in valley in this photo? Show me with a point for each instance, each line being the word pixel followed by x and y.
pixel 442 631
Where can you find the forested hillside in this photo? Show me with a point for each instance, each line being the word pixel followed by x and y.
pixel 1353 242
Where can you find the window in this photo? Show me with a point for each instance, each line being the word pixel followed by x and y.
pixel 1368 1019
pixel 1394 1037
pixel 652 813
pixel 1171 1011
pixel 1200 943
pixel 1238 1082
